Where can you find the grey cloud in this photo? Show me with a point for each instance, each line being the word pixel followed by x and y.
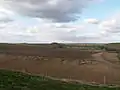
pixel 54 10
pixel 4 17
pixel 5 20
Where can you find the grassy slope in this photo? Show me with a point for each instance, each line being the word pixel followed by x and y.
pixel 18 81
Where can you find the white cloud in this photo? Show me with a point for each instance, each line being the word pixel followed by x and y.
pixel 46 32
pixel 92 21
pixel 111 25
pixel 5 16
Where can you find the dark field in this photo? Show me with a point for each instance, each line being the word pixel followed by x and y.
pixel 44 51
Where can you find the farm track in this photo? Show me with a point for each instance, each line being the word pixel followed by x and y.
pixel 98 57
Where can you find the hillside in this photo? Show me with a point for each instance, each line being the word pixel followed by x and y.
pixel 19 81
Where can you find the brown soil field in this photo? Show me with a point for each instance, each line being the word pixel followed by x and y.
pixel 61 63
pixel 45 52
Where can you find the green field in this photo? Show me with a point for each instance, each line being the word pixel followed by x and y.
pixel 18 81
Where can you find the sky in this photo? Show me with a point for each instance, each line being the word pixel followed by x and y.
pixel 64 21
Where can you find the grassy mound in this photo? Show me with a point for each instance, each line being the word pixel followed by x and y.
pixel 18 81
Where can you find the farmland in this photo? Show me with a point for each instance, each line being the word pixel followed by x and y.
pixel 88 63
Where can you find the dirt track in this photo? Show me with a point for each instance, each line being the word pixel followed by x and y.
pixel 70 67
pixel 99 57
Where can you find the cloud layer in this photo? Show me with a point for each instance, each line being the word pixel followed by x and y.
pixel 53 10
pixel 50 20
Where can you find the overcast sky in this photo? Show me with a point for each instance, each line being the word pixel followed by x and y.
pixel 67 21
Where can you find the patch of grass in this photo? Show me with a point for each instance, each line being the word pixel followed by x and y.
pixel 18 81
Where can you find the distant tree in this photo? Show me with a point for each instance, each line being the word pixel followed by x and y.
pixel 57 45
pixel 54 43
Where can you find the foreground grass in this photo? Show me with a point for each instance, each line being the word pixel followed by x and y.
pixel 18 81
